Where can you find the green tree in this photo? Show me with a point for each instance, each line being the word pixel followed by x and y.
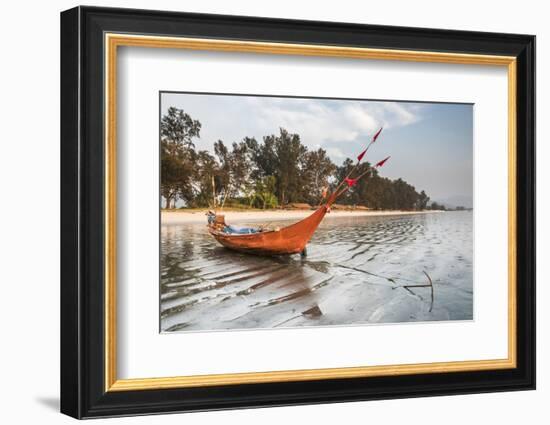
pixel 356 195
pixel 280 156
pixel 264 193
pixel 177 128
pixel 423 200
pixel 240 168
pixel 263 156
pixel 289 151
pixel 378 192
pixel 316 172
pixel 235 168
pixel 177 131
pixel 275 171
pixel 435 206
pixel 207 169
pixel 224 173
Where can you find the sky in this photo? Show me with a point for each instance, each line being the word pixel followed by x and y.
pixel 431 144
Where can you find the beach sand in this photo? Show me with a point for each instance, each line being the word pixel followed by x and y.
pixel 198 216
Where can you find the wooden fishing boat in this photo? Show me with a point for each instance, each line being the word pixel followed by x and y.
pixel 288 240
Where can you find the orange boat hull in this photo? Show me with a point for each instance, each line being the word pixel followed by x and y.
pixel 289 240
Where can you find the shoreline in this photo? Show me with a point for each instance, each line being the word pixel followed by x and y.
pixel 198 216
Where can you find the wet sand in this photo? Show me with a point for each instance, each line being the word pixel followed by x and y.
pixel 356 272
pixel 186 217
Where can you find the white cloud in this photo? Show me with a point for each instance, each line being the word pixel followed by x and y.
pixel 359 117
pixel 322 121
pixel 319 122
pixel 400 114
pixel 336 153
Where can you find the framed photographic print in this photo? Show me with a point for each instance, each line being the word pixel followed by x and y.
pixel 261 212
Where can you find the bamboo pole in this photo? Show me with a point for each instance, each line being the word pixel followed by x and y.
pixel 214 192
pixel 354 168
pixel 333 198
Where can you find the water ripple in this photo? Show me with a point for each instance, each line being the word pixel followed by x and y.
pixel 354 273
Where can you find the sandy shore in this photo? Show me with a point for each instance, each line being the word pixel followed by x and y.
pixel 188 217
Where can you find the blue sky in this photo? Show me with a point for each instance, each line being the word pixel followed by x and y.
pixel 431 144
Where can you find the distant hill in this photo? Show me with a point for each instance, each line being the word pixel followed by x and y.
pixel 457 201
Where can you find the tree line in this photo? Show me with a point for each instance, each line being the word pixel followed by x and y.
pixel 275 171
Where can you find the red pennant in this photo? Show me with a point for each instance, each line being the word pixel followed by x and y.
pixel 377 134
pixel 361 155
pixel 382 162
pixel 350 182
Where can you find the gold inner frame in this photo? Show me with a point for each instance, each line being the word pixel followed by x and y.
pixel 113 41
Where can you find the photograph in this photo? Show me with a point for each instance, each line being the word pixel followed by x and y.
pixel 285 210
pixel 289 212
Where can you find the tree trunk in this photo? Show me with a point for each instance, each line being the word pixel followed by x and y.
pixel 168 202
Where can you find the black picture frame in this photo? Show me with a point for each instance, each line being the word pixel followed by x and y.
pixel 83 392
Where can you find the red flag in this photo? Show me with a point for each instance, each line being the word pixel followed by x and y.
pixel 377 134
pixel 350 182
pixel 382 162
pixel 361 155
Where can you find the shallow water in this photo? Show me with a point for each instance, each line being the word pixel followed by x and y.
pixel 358 270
